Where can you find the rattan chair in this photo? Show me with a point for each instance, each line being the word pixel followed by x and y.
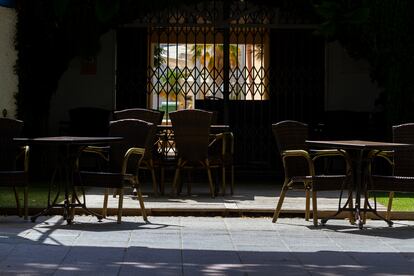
pixel 299 169
pixel 124 161
pixel 10 174
pixel 149 115
pixel 402 162
pixel 221 151
pixel 191 135
pixel 152 158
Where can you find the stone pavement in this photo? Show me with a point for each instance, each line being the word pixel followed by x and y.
pixel 203 246
pixel 249 198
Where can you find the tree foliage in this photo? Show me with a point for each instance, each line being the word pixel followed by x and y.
pixel 379 31
pixel 50 33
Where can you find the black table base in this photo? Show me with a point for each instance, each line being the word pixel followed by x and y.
pixel 69 154
pixel 358 152
pixel 69 151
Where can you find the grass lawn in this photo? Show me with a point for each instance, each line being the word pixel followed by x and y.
pixel 401 202
pixel 37 196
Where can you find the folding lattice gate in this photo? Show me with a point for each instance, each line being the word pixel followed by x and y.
pixel 254 65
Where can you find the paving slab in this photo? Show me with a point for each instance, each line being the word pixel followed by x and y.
pixel 203 246
pixel 249 198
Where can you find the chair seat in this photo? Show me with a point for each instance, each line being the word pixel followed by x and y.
pixel 215 160
pixel 99 179
pixel 13 178
pixel 220 159
pixel 323 182
pixel 392 183
pixel 213 163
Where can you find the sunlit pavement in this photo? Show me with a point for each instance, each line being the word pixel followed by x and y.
pixel 204 245
pixel 249 197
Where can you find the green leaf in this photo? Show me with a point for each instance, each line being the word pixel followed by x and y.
pixel 328 29
pixel 328 9
pixel 60 7
pixel 106 10
pixel 358 16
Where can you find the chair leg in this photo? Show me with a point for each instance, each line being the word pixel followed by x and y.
pixel 389 207
pixel 16 196
pixel 280 202
pixel 314 208
pixel 141 204
pixel 307 205
pixel 72 209
pixel 210 179
pixel 364 214
pixel 150 166
pixel 26 203
pixel 120 204
pixel 190 180
pixel 232 180
pixel 351 205
pixel 177 172
pixel 223 180
pixel 162 181
pixel 105 203
pixel 180 183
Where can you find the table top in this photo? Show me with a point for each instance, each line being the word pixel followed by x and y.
pixel 78 140
pixel 213 128
pixel 357 144
pixel 226 127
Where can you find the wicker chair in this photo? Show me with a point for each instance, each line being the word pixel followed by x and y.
pixel 191 134
pixel 221 150
pixel 402 161
pixel 10 175
pixel 152 158
pixel 299 169
pixel 123 156
pixel 149 115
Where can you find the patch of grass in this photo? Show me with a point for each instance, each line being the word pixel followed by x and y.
pixel 37 196
pixel 401 202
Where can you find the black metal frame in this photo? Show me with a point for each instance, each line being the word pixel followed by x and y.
pixel 287 84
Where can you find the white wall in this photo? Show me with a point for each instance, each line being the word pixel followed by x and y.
pixel 79 90
pixel 349 86
pixel 8 55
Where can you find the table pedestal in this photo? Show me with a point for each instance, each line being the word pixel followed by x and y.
pixel 70 148
pixel 67 166
pixel 358 151
pixel 360 165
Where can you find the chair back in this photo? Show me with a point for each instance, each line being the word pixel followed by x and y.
pixel 291 135
pixel 136 133
pixel 214 118
pixel 9 129
pixel 191 133
pixel 152 116
pixel 404 158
